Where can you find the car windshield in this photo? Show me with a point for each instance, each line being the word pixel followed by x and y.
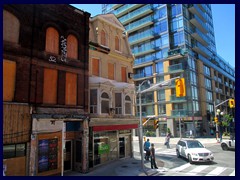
pixel 194 144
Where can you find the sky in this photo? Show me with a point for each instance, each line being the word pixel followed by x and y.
pixel 223 21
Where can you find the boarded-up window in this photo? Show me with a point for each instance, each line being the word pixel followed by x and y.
pixel 50 86
pixel 52 40
pixel 124 74
pixel 71 89
pixel 72 47
pixel 103 38
pixel 117 44
pixel 9 77
pixel 11 27
pixel 110 71
pixel 95 67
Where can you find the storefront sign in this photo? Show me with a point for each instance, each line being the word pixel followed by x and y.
pixel 103 148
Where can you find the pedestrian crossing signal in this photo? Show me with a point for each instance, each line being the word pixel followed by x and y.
pixel 156 124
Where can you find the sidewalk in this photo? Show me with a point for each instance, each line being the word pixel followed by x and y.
pixel 132 166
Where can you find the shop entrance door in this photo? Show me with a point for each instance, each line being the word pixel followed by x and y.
pixel 68 156
pixel 121 147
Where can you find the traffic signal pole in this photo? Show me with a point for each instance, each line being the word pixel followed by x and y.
pixel 215 108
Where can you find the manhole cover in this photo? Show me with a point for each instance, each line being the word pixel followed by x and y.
pixel 124 166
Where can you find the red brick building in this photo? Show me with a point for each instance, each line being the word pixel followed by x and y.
pixel 45 89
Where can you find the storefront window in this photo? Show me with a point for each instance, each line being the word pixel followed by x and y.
pixel 105 147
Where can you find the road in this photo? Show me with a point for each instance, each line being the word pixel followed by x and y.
pixel 223 164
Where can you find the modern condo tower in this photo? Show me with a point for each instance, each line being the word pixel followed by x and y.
pixel 170 40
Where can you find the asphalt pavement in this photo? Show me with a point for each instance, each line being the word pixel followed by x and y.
pixel 132 166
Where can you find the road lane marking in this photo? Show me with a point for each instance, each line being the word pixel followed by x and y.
pixel 216 171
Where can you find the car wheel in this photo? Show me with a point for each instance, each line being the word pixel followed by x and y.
pixel 190 159
pixel 178 154
pixel 224 147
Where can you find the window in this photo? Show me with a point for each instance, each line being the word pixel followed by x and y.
pixel 103 38
pixel 159 67
pixel 209 96
pixel 128 105
pixel 104 103
pixel 117 43
pixel 50 86
pixel 177 39
pixel 111 71
pixel 161 95
pixel 11 27
pixel 118 103
pixel 208 83
pixel 93 100
pixel 71 89
pixel 207 71
pixel 162 109
pixel 124 74
pixel 95 67
pixel 52 40
pixel 72 47
pixel 176 9
pixel 14 150
pixel 176 23
pixel 9 78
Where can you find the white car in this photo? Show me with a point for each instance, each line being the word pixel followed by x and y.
pixel 193 150
pixel 228 144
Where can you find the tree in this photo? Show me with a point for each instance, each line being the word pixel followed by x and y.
pixel 226 121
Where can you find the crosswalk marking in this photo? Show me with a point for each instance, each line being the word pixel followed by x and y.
pixel 216 171
pixel 180 168
pixel 191 170
pixel 166 151
pixel 197 170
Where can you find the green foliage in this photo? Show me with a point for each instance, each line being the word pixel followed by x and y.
pixel 227 119
pixel 150 134
pixel 226 134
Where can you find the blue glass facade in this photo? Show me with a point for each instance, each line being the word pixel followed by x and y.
pixel 170 40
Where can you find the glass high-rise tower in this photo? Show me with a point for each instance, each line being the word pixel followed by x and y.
pixel 170 40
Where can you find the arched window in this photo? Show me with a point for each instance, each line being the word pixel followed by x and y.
pixel 72 47
pixel 128 105
pixel 103 38
pixel 11 27
pixel 117 43
pixel 52 40
pixel 105 103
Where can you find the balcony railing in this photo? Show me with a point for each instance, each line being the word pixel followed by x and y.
pixel 135 14
pixel 140 23
pixel 175 99
pixel 175 67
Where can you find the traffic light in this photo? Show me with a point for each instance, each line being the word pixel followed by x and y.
pixel 215 119
pixel 156 124
pixel 231 103
pixel 180 87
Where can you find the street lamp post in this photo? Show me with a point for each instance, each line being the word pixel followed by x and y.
pixel 141 125
pixel 151 88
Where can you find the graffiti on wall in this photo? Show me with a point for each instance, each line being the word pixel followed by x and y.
pixel 63 57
